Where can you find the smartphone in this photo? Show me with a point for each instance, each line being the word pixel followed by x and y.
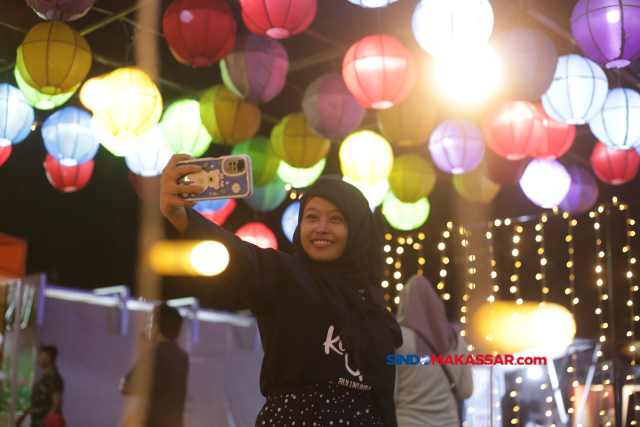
pixel 226 177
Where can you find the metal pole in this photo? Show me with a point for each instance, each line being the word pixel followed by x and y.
pixel 16 352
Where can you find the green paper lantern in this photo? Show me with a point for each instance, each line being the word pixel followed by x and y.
pixel 301 177
pixel 269 197
pixel 182 129
pixel 405 216
pixel 38 99
pixel 374 193
pixel 264 160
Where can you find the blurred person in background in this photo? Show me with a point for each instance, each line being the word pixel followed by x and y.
pixel 426 395
pixel 46 398
pixel 165 366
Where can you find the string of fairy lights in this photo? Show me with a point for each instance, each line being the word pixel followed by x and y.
pixel 573 370
pixel 542 276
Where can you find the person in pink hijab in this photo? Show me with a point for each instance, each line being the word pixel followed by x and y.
pixel 425 395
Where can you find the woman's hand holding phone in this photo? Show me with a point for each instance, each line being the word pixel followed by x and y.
pixel 171 205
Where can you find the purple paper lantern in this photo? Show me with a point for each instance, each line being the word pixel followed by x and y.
pixel 583 193
pixel 608 31
pixel 330 108
pixel 545 182
pixel 61 10
pixel 457 146
pixel 256 69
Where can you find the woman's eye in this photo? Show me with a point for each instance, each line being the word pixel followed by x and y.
pixel 311 217
pixel 337 218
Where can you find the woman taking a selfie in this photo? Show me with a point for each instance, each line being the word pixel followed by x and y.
pixel 325 328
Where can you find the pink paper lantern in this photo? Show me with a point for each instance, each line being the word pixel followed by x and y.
pixel 68 179
pixel 258 234
pixel 220 216
pixel 330 108
pixel 278 19
pixel 256 69
pixel 558 137
pixel 5 152
pixel 61 10
pixel 615 167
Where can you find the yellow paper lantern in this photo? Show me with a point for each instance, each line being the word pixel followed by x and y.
pixel 93 92
pixel 228 119
pixel 412 178
pixel 366 157
pixel 475 186
pixel 408 123
pixel 54 58
pixel 131 105
pixel 297 144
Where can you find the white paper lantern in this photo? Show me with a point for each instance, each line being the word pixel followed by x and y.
pixel 617 125
pixel 578 91
pixel 152 156
pixel 545 182
pixel 290 220
pixel 440 26
pixel 373 3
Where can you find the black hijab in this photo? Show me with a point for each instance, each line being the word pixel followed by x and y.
pixel 366 327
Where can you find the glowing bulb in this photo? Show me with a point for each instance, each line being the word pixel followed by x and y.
pixel 613 16
pixel 385 284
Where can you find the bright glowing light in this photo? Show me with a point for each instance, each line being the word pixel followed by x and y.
pixel 188 258
pixel 545 182
pixel 462 86
pixel 613 16
pixel 534 372
pixel 209 258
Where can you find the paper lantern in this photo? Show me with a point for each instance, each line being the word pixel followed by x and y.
pixel 330 108
pixel 607 31
pixel 583 193
pixel 578 91
pixel 146 187
pixel 38 99
pixel 210 206
pixel 68 179
pixel 440 27
pixel 228 119
pixel 258 234
pixel 61 10
pixel 408 123
pixel 529 60
pixel 545 182
pixel 199 32
pixel 220 216
pixel 278 19
pixel 93 92
pixel 502 171
pixel 68 138
pixel 412 178
pixel 558 137
pixel 264 160
pixel 152 156
pixel 374 193
pixel 5 152
pixel 16 115
pixel 617 125
pixel 116 146
pixel 379 71
pixel 615 167
pixel 475 186
pixel 297 144
pixel 54 58
pixel 373 3
pixel 299 177
pixel 131 104
pixel 256 69
pixel 268 197
pixel 182 129
pixel 405 216
pixel 366 157
pixel 456 146
pixel 290 220
pixel 513 129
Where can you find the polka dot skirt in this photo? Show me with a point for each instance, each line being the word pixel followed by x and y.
pixel 320 405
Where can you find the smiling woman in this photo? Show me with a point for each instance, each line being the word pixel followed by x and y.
pixel 323 230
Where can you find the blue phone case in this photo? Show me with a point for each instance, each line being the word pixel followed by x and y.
pixel 226 177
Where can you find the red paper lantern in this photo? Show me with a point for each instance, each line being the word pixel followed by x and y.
pixel 199 32
pixel 379 71
pixel 258 234
pixel 278 19
pixel 146 187
pixel 502 171
pixel 68 179
pixel 615 167
pixel 513 129
pixel 219 217
pixel 558 137
pixel 5 152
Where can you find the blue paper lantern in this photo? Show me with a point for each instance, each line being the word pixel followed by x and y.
pixel 16 115
pixel 617 125
pixel 578 91
pixel 290 220
pixel 210 206
pixel 545 182
pixel 152 156
pixel 68 137
pixel 269 197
